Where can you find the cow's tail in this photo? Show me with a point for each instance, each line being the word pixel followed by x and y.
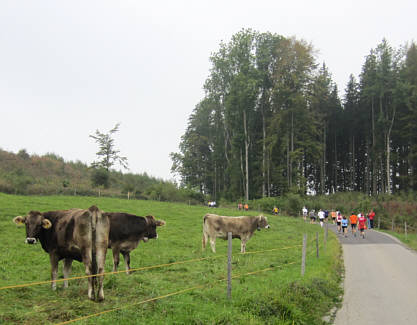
pixel 94 218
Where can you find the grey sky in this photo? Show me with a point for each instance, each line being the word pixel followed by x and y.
pixel 68 68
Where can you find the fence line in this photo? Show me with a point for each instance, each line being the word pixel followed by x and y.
pixel 393 224
pixel 139 269
pixel 171 294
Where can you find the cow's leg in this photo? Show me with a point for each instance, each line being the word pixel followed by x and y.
pixel 126 256
pixel 205 240
pixel 243 246
pixel 87 261
pixel 116 256
pixel 101 259
pixel 54 269
pixel 213 244
pixel 67 270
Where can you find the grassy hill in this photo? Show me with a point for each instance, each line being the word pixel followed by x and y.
pixel 274 293
pixel 50 174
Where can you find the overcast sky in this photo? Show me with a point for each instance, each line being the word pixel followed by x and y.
pixel 70 67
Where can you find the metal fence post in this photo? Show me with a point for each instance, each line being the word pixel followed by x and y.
pixel 326 231
pixel 229 265
pixel 303 256
pixel 405 229
pixel 317 244
pixel 392 225
pixel 379 223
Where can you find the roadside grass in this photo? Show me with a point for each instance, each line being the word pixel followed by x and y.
pixel 410 241
pixel 276 296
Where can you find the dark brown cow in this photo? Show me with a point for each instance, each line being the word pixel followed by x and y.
pixel 75 234
pixel 240 227
pixel 126 231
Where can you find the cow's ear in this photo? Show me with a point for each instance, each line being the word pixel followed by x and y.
pixel 160 223
pixel 19 220
pixel 46 224
pixel 149 219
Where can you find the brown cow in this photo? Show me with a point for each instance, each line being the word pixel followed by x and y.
pixel 240 227
pixel 75 234
pixel 126 230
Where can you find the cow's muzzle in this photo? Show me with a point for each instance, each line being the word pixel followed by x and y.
pixel 30 240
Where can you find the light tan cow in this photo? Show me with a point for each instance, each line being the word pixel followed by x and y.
pixel 241 227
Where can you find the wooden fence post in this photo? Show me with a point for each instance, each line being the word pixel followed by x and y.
pixel 303 256
pixel 392 225
pixel 405 229
pixel 229 265
pixel 379 223
pixel 326 232
pixel 317 243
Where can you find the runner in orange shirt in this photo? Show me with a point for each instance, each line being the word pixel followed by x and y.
pixel 334 215
pixel 353 222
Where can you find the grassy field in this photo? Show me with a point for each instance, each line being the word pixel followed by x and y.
pixel 410 240
pixel 276 296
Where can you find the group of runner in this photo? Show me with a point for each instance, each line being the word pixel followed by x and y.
pixel 321 215
pixel 356 221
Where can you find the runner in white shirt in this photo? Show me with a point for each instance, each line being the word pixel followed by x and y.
pixel 321 216
pixel 339 221
pixel 305 211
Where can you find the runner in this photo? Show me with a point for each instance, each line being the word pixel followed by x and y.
pixel 353 221
pixel 344 225
pixel 334 215
pixel 321 216
pixel 326 214
pixel 339 221
pixel 305 211
pixel 362 224
pixel 312 216
pixel 275 210
pixel 371 217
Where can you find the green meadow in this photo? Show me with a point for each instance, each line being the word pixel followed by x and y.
pixel 267 289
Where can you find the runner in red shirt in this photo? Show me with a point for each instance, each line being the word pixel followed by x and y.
pixel 371 217
pixel 362 224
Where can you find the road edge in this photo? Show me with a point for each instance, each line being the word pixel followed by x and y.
pixel 396 240
pixel 330 317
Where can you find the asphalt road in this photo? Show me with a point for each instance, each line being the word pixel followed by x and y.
pixel 380 281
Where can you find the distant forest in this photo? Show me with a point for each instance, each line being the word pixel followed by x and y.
pixel 22 173
pixel 272 122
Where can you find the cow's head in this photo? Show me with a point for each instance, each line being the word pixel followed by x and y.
pixel 152 223
pixel 263 222
pixel 34 223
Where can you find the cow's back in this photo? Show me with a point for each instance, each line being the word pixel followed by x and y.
pixel 76 230
pixel 221 225
pixel 61 238
pixel 124 226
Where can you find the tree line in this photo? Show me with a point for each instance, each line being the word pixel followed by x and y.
pixel 272 121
